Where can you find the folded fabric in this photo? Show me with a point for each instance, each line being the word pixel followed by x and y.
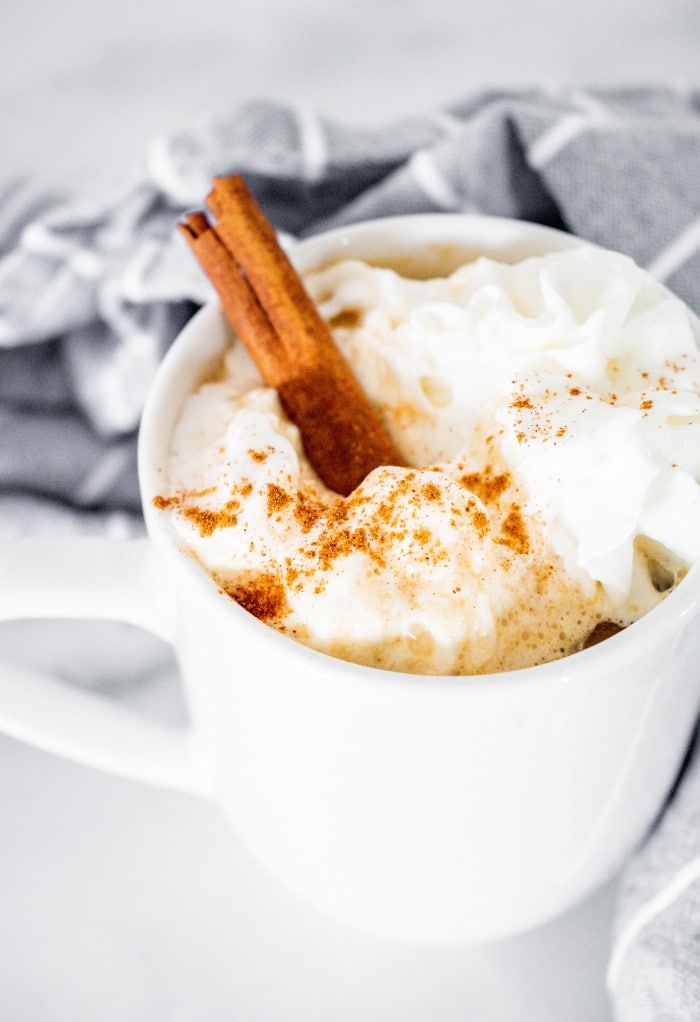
pixel 654 970
pixel 92 293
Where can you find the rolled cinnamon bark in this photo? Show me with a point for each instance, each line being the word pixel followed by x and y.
pixel 289 341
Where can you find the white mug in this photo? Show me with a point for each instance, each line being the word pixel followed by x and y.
pixel 421 808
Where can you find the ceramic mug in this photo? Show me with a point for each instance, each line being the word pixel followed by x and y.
pixel 422 808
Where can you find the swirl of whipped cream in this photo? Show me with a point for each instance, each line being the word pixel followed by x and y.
pixel 550 413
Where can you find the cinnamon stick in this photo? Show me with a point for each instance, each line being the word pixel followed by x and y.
pixel 289 341
pixel 238 299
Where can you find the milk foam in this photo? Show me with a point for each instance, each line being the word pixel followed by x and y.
pixel 550 413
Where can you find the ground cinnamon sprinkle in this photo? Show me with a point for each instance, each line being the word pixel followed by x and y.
pixel 341 529
pixel 307 512
pixel 480 520
pixel 422 536
pixel 343 542
pixel 263 596
pixel 207 520
pixel 514 532
pixel 164 502
pixel 487 486
pixel 277 499
pixel 385 513
pixel 431 491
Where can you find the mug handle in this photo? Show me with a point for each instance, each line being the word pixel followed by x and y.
pixel 90 578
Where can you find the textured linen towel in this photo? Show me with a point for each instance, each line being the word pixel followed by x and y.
pixel 92 293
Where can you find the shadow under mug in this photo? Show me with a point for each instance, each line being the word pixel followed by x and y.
pixel 419 808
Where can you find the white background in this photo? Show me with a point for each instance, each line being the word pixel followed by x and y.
pixel 123 903
pixel 84 84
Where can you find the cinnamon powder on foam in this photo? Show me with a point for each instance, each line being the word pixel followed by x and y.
pixel 536 632
pixel 549 614
pixel 262 595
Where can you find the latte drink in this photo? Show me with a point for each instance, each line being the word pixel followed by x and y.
pixel 548 413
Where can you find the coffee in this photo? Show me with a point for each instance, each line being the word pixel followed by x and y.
pixel 549 413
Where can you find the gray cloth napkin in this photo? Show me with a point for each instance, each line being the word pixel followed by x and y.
pixel 92 293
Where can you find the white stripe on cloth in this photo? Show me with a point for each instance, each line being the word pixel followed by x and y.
pixel 99 480
pixel 185 185
pixel 671 258
pixel 19 202
pixel 59 292
pixel 592 114
pixel 432 180
pixel 662 900
pixel 314 150
pixel 40 240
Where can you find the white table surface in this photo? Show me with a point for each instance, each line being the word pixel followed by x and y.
pixel 124 903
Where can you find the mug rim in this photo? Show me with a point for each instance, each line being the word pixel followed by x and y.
pixel 653 626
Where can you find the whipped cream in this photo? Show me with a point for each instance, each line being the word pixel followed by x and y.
pixel 549 413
